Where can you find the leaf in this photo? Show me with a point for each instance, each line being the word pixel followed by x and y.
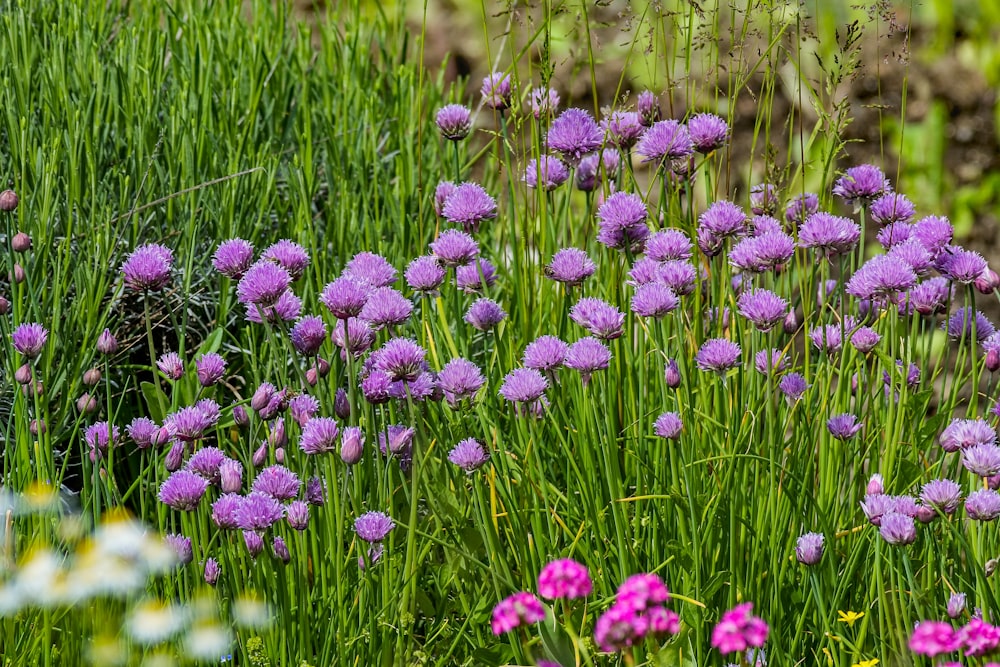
pixel 557 644
pixel 156 401
pixel 211 344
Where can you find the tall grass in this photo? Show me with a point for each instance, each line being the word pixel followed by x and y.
pixel 192 123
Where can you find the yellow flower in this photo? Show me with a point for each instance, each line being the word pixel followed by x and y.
pixel 866 663
pixel 849 617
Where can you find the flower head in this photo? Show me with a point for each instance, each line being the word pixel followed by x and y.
pixel 319 436
pixel 892 208
pixel 545 353
pixel 29 339
pixel 793 386
pixel 278 482
pixel 544 101
pixel 739 629
pixel 655 299
pixel 881 276
pixel 455 248
pixel 809 548
pixel 942 494
pixel 519 609
pixel 708 132
pixel 668 426
pixel 523 385
pixel 570 266
pixel 484 314
pixel 547 171
pixel 844 427
pixel 861 185
pixel 386 307
pixel 665 141
pixel 961 266
pixel 828 234
pixel 897 529
pixel 718 355
pixel 622 221
pixel 371 270
pixel 967 323
pixel 469 205
pixel 496 91
pixel 762 307
pixel 257 512
pixel 454 121
pixel 932 638
pixel 373 526
pixel 425 274
pixel 469 455
pixel 233 257
pixel 599 317
pixel 183 490
pixel 211 367
pixel 587 356
pixel 564 579
pixel 289 255
pixel 573 134
pixel 148 267
pixel 460 379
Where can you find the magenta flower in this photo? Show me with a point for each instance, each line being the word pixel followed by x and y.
pixel 623 128
pixel 587 356
pixel 386 308
pixel 829 235
pixel 932 638
pixel 319 436
pixel 544 101
pixel 278 482
pixel 738 630
pixel 708 132
pixel 345 297
pixel 211 367
pixel 308 334
pixel 371 269
pixel 978 638
pixel 762 307
pixel 171 365
pixel 655 299
pixel 519 609
pixel 599 317
pixel 545 353
pixel 564 579
pixel 570 266
pixel 287 308
pixel 257 512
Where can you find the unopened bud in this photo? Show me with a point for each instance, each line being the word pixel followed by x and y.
pixel 791 324
pixel 92 377
pixel 37 426
pixel 279 455
pixel 240 416
pixel 23 374
pixel 987 282
pixel 21 242
pixel 260 456
pixel 312 377
pixel 86 404
pixel 672 374
pixel 106 343
pixel 322 367
pixel 8 201
pixel 18 275
pixel 4 306
pixel 174 457
pixel 341 404
pixel 39 389
pixel 993 360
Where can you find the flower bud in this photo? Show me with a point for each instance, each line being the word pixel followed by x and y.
pixel 4 306
pixel 281 550
pixel 279 455
pixel 8 201
pixel 791 323
pixel 86 404
pixel 106 343
pixel 993 360
pixel 260 456
pixel 18 276
pixel 21 242
pixel 38 387
pixel 23 374
pixel 212 571
pixel 254 542
pixel 322 367
pixel 311 377
pixel 277 437
pixel 876 486
pixel 174 457
pixel 230 476
pixel 240 416
pixel 262 396
pixel 37 426
pixel 809 549
pixel 297 514
pixel 672 374
pixel 956 605
pixel 160 437
pixel 987 281
pixel 351 445
pixel 341 404
pixel 92 376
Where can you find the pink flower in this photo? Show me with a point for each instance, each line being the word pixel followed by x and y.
pixel 978 637
pixel 519 609
pixel 933 638
pixel 738 629
pixel 564 579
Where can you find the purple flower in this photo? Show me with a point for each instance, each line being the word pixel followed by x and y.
pixel 190 423
pixel 316 492
pixel 371 269
pixel 170 365
pixel 865 339
pixel 564 579
pixel 254 543
pixel 762 307
pixel 523 385
pixel 297 514
pixel 892 208
pixel 622 221
pixel 648 107
pixel 469 455
pixel 345 297
pixel 496 91
pixel 148 267
pixel 545 353
pixel 233 257
pixel 352 444
pixel 668 426
pixel 809 548
pixel 757 254
pixel 573 134
pixel 280 549
pixel 469 205
pixel 738 630
pixel 793 386
pixel 289 255
pixel 470 277
pixel 931 296
pixel 623 128
pixel 142 430
pixel 396 440
pixel 723 220
pixel 376 387
pixel 967 322
pixel 933 638
pixel 961 266
pixel 801 207
pixel 455 248
pixel 587 356
pixel 620 627
pixel 956 605
pixel 484 314
pixel 897 529
pixel 763 200
pixel 373 526
pixel 643 271
pixel 100 437
pixel 230 476
pixel 106 343
pixel 308 334
pixel 935 233
pixel 425 274
pixel 599 317
pixel 211 367
pixel 771 361
pixel 983 505
pixel 861 185
pixel 454 121
pixel 570 266
pixel 547 170
pixel 181 546
pixel 441 194
pixel 263 283
pixel 668 244
pixel 544 102
pixel 765 224
pixel 357 337
pixel 829 234
pixel 224 511
pixel 519 609
pixel 319 436
pixel 665 141
pixel 278 482
pixel 982 460
pixel 708 132
pixel 257 512
pixel 942 494
pixel 965 433
pixel 912 253
pixel 460 379
pixel 677 275
pixel 386 308
pixel 881 276
pixel 718 355
pixel 285 309
pixel 183 490
pixel 895 233
pixel 844 427
pixel 29 339
pixel 212 571
pixel 206 462
pixel 655 300
pixel 401 358
pixel 587 173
